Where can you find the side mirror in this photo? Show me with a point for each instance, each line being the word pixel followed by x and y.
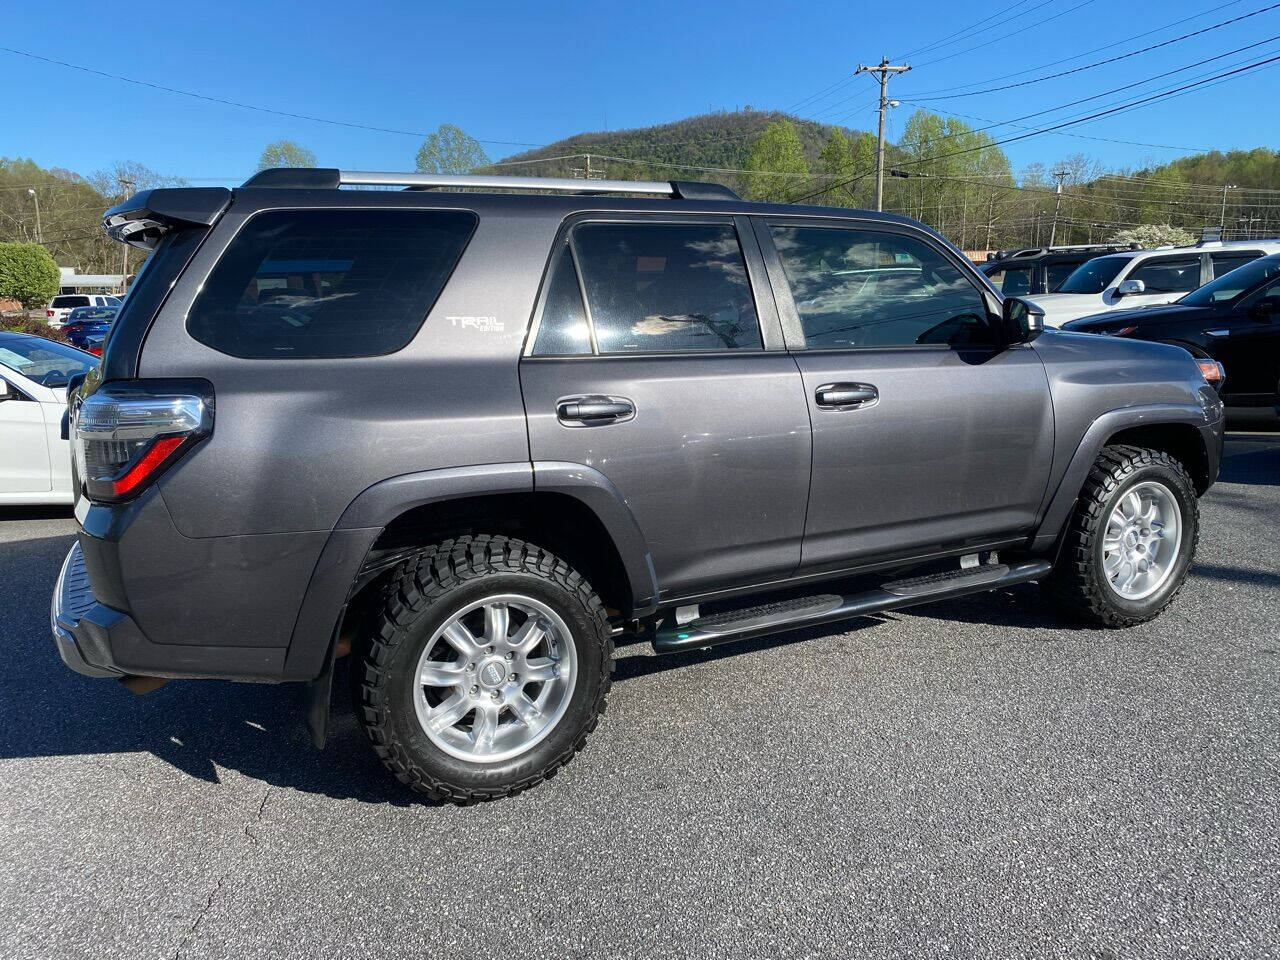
pixel 1023 320
pixel 1130 286
pixel 7 392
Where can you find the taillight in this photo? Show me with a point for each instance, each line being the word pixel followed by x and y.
pixel 126 435
pixel 48 313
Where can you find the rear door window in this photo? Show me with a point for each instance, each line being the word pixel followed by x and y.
pixel 1226 262
pixel 649 288
pixel 302 284
pixel 1013 282
pixel 1168 274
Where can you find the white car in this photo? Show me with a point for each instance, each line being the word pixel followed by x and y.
pixel 1140 278
pixel 35 462
pixel 64 303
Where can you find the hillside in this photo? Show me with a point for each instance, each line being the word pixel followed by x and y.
pixel 720 140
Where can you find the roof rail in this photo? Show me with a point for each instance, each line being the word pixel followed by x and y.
pixel 325 178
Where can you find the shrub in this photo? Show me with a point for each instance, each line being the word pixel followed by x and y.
pixel 34 325
pixel 27 274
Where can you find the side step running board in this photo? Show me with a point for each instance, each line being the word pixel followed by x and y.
pixel 825 608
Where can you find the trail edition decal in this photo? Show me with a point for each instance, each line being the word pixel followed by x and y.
pixel 479 324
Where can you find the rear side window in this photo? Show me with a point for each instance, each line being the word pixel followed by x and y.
pixel 1013 282
pixel 328 283
pixel 858 288
pixel 1168 275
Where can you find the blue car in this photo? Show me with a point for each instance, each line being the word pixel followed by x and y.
pixel 87 327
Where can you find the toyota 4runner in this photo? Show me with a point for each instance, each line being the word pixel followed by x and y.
pixel 474 438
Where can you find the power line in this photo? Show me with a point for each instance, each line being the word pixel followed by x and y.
pixel 1006 36
pixel 1108 62
pixel 1143 101
pixel 1083 53
pixel 244 106
pixel 957 35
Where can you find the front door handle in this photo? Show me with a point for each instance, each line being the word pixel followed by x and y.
pixel 845 396
pixel 589 411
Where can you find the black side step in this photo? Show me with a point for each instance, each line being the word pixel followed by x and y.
pixel 825 608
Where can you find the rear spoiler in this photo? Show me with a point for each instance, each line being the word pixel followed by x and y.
pixel 145 217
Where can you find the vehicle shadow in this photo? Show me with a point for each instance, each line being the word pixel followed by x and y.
pixel 36 512
pixel 1251 459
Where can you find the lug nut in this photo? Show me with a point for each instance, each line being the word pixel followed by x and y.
pixel 510 656
pixel 497 695
pixel 474 691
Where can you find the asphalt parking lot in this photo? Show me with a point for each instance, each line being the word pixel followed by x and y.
pixel 973 778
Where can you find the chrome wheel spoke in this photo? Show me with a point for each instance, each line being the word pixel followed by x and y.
pixel 449 713
pixel 528 636
pixel 540 670
pixel 485 727
pixel 526 710
pixel 461 639
pixel 496 622
pixel 437 674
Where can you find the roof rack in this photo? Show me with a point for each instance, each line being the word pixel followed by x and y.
pixel 319 178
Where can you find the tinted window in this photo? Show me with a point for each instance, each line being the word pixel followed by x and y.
pixel 1094 276
pixel 1013 282
pixel 859 288
pixel 1226 262
pixel 563 328
pixel 1230 286
pixel 662 287
pixel 1168 274
pixel 1058 273
pixel 47 362
pixel 69 301
pixel 328 283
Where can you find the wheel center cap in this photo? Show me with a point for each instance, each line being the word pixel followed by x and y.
pixel 493 674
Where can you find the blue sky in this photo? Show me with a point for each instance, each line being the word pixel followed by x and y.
pixel 532 73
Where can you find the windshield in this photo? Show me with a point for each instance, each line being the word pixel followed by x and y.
pixel 47 362
pixel 1094 276
pixel 1231 285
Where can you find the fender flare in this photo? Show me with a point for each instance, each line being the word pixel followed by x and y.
pixel 368 514
pixel 1104 427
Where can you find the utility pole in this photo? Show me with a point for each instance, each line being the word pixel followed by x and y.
pixel 1222 222
pixel 127 186
pixel 882 73
pixel 39 231
pixel 585 172
pixel 1059 175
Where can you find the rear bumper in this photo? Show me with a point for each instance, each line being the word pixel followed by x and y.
pixel 74 615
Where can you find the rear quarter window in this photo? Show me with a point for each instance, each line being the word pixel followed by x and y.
pixel 309 284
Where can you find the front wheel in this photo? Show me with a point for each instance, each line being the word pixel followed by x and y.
pixel 1130 540
pixel 487 670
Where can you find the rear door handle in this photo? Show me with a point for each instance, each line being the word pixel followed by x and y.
pixel 845 396
pixel 593 410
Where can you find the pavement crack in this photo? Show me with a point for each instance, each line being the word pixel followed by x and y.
pixel 222 878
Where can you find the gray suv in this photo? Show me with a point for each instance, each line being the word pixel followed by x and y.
pixel 473 432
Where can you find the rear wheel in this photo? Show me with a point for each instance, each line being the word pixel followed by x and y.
pixel 1130 540
pixel 486 670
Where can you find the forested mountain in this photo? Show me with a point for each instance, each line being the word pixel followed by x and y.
pixel 940 171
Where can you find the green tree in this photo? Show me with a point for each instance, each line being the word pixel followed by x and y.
pixel 835 163
pixel 776 152
pixel 285 153
pixel 450 150
pixel 1155 235
pixel 27 274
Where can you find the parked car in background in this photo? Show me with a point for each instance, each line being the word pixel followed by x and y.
pixel 35 460
pixel 62 305
pixel 1234 320
pixel 1143 278
pixel 1037 270
pixel 87 327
